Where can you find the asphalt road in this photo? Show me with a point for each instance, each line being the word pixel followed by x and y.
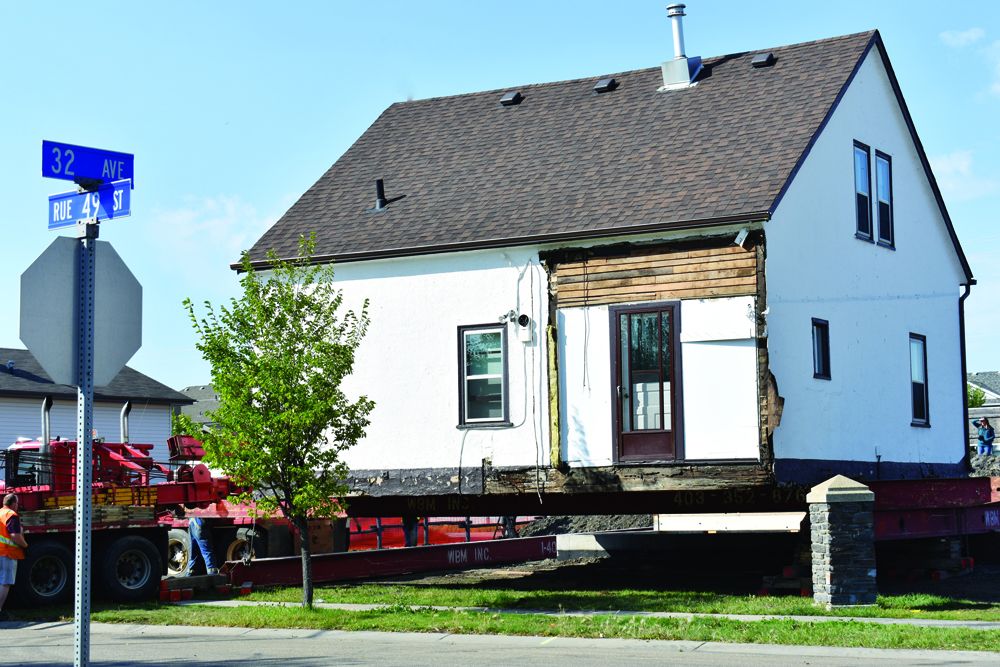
pixel 114 645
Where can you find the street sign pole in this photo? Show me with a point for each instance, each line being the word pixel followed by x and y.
pixel 106 178
pixel 87 232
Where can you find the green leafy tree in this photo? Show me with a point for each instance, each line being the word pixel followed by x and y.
pixel 181 424
pixel 279 354
pixel 977 397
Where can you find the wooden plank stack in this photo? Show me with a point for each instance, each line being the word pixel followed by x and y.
pixel 655 275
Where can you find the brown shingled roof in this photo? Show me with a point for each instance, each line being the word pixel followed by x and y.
pixel 569 163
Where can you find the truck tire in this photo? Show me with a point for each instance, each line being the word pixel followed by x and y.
pixel 130 569
pixel 45 576
pixel 239 546
pixel 178 552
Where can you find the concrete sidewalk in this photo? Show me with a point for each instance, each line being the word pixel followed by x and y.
pixel 919 622
pixel 51 645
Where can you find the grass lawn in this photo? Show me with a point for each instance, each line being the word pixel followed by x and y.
pixel 399 618
pixel 889 606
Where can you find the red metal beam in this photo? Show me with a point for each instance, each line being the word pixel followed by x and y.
pixel 936 522
pixel 287 571
pixel 935 493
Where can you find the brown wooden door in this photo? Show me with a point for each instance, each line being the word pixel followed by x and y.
pixel 645 379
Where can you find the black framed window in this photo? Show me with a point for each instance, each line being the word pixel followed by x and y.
pixel 482 387
pixel 821 349
pixel 883 197
pixel 918 380
pixel 862 191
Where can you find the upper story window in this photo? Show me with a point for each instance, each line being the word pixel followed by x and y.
pixel 918 380
pixel 862 190
pixel 821 349
pixel 483 375
pixel 883 195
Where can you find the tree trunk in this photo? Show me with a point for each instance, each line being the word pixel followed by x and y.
pixel 307 579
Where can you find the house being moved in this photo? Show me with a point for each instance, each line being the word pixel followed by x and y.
pixel 721 276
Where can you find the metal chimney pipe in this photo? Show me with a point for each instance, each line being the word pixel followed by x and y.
pixel 127 408
pixel 380 202
pixel 43 451
pixel 676 12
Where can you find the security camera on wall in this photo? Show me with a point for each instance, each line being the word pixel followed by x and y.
pixel 524 329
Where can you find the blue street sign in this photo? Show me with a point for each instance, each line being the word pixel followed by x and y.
pixel 85 165
pixel 109 201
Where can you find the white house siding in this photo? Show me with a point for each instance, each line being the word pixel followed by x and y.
pixel 719 376
pixel 872 297
pixel 408 362
pixel 148 424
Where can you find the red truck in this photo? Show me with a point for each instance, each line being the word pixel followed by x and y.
pixel 134 502
pixel 140 510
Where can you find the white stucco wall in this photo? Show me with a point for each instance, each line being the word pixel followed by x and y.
pixel 408 362
pixel 148 424
pixel 873 298
pixel 719 376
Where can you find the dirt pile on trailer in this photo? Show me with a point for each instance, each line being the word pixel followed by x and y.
pixel 560 525
pixel 985 466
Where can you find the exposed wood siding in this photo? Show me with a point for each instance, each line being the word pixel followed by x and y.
pixel 655 275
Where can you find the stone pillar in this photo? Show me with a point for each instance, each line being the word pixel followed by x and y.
pixel 843 543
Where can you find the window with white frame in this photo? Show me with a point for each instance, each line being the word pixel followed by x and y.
pixel 918 380
pixel 483 375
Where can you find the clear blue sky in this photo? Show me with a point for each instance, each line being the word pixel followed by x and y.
pixel 233 109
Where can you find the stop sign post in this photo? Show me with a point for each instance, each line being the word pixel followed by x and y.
pixel 65 286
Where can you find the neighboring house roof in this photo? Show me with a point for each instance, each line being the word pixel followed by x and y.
pixel 204 400
pixel 988 380
pixel 28 379
pixel 464 172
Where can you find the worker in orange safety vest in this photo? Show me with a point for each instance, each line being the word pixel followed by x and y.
pixel 12 546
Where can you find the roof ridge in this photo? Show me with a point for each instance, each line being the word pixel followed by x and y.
pixel 594 77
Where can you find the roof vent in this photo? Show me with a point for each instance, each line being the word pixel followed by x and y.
pixel 605 85
pixel 681 71
pixel 10 366
pixel 510 99
pixel 763 60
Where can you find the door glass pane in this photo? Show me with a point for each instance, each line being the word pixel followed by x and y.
pixel 623 381
pixel 484 398
pixel 645 382
pixel 665 341
pixel 483 353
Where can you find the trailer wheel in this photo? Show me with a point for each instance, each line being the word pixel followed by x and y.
pixel 45 576
pixel 239 547
pixel 131 569
pixel 178 552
